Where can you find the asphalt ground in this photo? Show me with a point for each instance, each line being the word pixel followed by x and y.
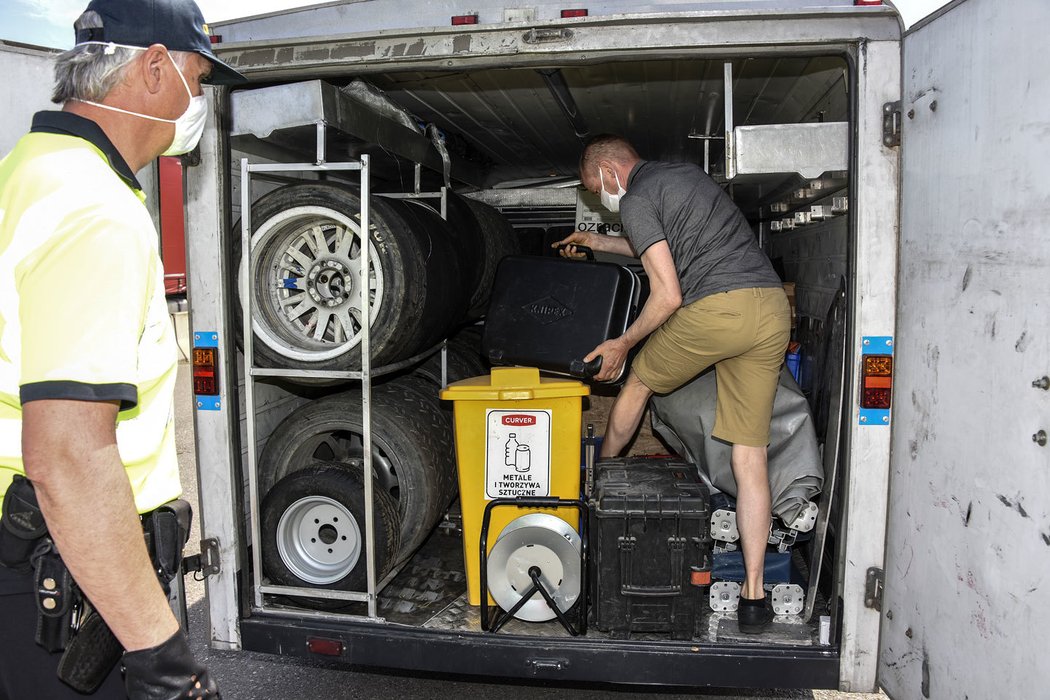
pixel 251 676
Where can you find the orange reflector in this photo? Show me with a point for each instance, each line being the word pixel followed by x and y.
pixel 326 647
pixel 458 20
pixel 878 365
pixel 573 13
pixel 700 578
pixel 205 371
pixel 877 381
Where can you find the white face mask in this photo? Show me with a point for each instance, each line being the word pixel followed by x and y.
pixel 188 127
pixel 611 201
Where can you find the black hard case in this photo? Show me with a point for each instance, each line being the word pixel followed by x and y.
pixel 650 546
pixel 549 312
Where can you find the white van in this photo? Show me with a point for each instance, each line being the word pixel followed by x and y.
pixel 910 169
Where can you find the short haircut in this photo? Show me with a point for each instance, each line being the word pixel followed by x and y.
pixel 606 147
pixel 90 71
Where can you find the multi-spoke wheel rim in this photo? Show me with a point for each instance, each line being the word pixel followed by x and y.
pixel 319 540
pixel 307 270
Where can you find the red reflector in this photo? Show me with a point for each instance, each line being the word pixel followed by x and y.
pixel 573 13
pixel 327 647
pixel 215 38
pixel 205 376
pixel 457 20
pixel 867 2
pixel 875 398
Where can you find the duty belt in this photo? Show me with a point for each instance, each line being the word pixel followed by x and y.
pixel 67 620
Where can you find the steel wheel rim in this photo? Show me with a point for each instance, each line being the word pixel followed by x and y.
pixel 307 267
pixel 319 540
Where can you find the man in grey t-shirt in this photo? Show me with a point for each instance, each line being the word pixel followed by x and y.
pixel 714 300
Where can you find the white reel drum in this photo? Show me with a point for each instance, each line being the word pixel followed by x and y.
pixel 537 541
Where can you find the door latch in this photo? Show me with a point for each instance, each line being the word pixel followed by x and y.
pixel 891 124
pixel 206 563
pixel 873 589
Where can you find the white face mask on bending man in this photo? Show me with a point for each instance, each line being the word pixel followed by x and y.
pixel 609 200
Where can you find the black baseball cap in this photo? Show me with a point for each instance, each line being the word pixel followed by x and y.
pixel 177 24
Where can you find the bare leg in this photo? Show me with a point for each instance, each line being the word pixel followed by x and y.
pixel 752 513
pixel 625 415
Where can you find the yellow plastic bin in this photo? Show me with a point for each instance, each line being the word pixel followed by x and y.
pixel 517 434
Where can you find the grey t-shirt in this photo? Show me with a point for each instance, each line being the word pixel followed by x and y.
pixel 713 247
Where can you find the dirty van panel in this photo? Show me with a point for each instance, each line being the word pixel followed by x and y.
pixel 513 108
pixel 968 534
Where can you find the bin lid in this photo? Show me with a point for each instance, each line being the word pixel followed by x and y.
pixel 513 384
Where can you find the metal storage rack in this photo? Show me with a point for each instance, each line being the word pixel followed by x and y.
pixel 318 120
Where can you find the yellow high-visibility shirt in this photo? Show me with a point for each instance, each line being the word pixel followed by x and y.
pixel 82 309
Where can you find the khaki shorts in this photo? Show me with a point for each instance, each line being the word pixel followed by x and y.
pixel 744 334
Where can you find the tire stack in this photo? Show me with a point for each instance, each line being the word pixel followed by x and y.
pixel 427 276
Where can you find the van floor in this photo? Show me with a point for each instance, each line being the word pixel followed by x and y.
pixel 430 592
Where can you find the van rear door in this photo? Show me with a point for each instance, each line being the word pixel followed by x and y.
pixel 968 548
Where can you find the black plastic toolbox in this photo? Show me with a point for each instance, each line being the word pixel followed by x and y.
pixel 650 546
pixel 549 312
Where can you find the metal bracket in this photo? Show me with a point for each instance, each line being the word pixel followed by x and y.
pixel 873 589
pixel 891 124
pixel 206 563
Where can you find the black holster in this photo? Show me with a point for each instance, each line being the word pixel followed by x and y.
pixel 167 529
pixel 22 526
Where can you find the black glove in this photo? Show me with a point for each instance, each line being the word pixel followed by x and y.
pixel 167 671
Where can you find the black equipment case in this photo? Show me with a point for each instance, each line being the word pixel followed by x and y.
pixel 549 312
pixel 650 546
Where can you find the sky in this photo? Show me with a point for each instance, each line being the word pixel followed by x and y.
pixel 49 22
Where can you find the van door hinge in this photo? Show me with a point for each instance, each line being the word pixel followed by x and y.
pixel 891 124
pixel 873 589
pixel 206 563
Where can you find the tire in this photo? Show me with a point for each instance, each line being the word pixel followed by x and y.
pixel 464 361
pixel 413 460
pixel 500 240
pixel 305 271
pixel 313 531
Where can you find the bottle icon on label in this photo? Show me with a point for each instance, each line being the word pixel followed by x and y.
pixel 522 458
pixel 510 450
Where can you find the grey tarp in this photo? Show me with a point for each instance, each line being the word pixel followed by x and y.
pixel 685 418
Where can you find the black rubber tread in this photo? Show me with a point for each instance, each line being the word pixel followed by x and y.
pixel 408 426
pixel 469 338
pixel 345 484
pixel 463 362
pixel 500 240
pixel 433 425
pixel 424 295
pixel 469 241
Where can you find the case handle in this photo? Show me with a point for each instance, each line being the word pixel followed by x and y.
pixel 587 252
pixel 585 370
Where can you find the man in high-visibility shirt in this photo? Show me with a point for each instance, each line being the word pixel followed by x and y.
pixel 87 351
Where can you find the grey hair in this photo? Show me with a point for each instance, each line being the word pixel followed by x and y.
pixel 90 71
